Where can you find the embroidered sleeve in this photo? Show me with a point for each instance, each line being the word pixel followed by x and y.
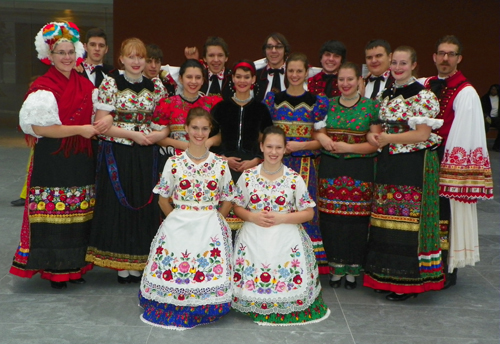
pixel 107 94
pixel 165 186
pixel 160 90
pixel 374 113
pixel 227 187
pixel 241 193
pixel 320 108
pixel 425 104
pixel 302 198
pixel 269 101
pixel 162 113
pixel 40 108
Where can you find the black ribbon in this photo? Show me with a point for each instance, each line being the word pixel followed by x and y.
pixel 275 72
pixel 376 86
pixel 437 86
pixel 214 85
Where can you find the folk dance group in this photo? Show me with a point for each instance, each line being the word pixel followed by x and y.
pixel 316 177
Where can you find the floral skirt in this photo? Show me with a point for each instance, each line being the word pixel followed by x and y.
pixel 317 311
pixel 345 189
pixel 187 280
pixel 175 317
pixel 57 216
pixel 275 272
pixel 404 253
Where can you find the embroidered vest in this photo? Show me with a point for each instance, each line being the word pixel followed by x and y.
pixel 316 85
pixel 454 84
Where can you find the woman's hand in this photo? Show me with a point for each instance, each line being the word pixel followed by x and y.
pixel 341 147
pixel 88 131
pixel 294 146
pixel 141 139
pixel 102 125
pixel 383 139
pixel 372 138
pixel 234 163
pixel 262 218
pixel 155 136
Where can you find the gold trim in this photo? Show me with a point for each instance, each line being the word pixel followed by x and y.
pixel 402 226
pixel 61 219
pixel 395 218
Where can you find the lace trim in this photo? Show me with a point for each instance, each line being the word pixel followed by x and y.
pixel 158 127
pixel 105 107
pixel 431 122
pixel 40 108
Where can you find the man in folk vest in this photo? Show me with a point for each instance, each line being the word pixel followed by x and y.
pixel 465 174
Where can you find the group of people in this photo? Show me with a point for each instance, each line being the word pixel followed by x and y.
pixel 201 183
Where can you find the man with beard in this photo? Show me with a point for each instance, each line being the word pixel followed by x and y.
pixel 465 173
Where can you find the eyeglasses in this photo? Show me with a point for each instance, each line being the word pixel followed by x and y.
pixel 277 47
pixel 64 53
pixel 449 53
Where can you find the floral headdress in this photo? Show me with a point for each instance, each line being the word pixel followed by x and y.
pixel 53 33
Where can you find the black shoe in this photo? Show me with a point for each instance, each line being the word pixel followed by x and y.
pixel 135 279
pixel 124 280
pixel 58 285
pixel 381 291
pixel 335 284
pixel 402 297
pixel 78 281
pixel 350 285
pixel 451 279
pixel 18 202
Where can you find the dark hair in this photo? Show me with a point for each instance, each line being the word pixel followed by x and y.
pixel 353 66
pixel 190 63
pixel 278 37
pixel 408 49
pixel 497 86
pixel 244 68
pixel 379 43
pixel 452 40
pixel 335 47
pixel 96 32
pixel 198 112
pixel 215 41
pixel 273 130
pixel 298 57
pixel 154 52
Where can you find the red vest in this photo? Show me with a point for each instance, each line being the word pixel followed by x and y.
pixel 316 85
pixel 454 84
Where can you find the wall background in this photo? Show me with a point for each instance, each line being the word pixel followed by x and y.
pixel 307 24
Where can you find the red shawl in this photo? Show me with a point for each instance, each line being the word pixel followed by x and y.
pixel 74 101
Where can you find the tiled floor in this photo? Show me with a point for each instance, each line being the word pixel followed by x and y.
pixel 102 311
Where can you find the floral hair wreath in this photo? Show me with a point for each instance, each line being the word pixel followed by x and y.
pixel 53 33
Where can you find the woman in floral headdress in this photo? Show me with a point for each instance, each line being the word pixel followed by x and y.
pixel 56 118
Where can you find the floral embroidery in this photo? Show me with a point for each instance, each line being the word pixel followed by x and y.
pixel 186 269
pixel 61 201
pixel 399 110
pixel 345 196
pixel 197 187
pixel 397 200
pixel 132 110
pixel 287 276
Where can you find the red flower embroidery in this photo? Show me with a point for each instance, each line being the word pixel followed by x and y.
pixel 265 277
pixel 199 276
pixel 184 184
pixel 167 275
pixel 215 252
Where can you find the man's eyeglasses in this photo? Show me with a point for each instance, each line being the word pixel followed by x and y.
pixel 449 53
